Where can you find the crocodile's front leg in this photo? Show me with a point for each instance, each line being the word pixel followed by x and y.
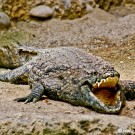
pixel 36 94
pixel 128 87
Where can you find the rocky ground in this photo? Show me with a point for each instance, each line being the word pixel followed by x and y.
pixel 99 32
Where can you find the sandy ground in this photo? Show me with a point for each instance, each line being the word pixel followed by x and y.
pixel 103 34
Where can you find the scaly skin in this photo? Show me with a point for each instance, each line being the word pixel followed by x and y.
pixel 71 75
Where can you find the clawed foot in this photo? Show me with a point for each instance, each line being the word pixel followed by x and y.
pixel 27 99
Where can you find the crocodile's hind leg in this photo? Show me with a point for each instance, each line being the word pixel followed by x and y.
pixel 36 94
pixel 18 75
pixel 129 89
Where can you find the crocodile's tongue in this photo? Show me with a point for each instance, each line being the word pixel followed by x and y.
pixel 106 90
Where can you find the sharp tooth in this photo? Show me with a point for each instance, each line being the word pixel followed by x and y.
pixel 99 84
pixel 103 80
pixel 95 84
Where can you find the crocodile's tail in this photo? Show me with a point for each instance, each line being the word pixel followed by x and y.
pixel 4 77
pixel 17 76
pixel 129 89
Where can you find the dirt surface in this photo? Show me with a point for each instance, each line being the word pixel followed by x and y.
pixel 99 32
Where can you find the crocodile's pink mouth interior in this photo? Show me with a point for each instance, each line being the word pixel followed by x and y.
pixel 106 90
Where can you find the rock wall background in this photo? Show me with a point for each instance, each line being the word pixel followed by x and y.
pixel 71 9
pixel 64 9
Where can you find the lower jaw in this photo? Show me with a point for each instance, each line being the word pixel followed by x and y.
pixel 107 95
pixel 108 105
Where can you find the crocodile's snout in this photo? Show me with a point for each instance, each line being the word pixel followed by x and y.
pixel 111 73
pixel 105 95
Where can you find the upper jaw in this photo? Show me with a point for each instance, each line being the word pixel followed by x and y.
pixel 108 82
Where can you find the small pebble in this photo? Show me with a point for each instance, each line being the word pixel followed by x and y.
pixel 89 8
pixel 4 20
pixel 41 11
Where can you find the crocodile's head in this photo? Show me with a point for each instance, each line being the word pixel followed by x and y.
pixel 15 56
pixel 103 92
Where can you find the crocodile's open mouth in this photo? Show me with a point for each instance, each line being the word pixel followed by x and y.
pixel 107 90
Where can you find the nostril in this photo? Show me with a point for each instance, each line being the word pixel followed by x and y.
pixel 117 74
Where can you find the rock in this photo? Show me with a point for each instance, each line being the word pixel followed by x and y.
pixel 67 4
pixel 89 8
pixel 41 11
pixel 118 8
pixel 107 4
pixel 4 20
pixel 123 10
pixel 55 124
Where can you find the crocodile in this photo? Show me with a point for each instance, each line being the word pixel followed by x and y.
pixel 69 74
